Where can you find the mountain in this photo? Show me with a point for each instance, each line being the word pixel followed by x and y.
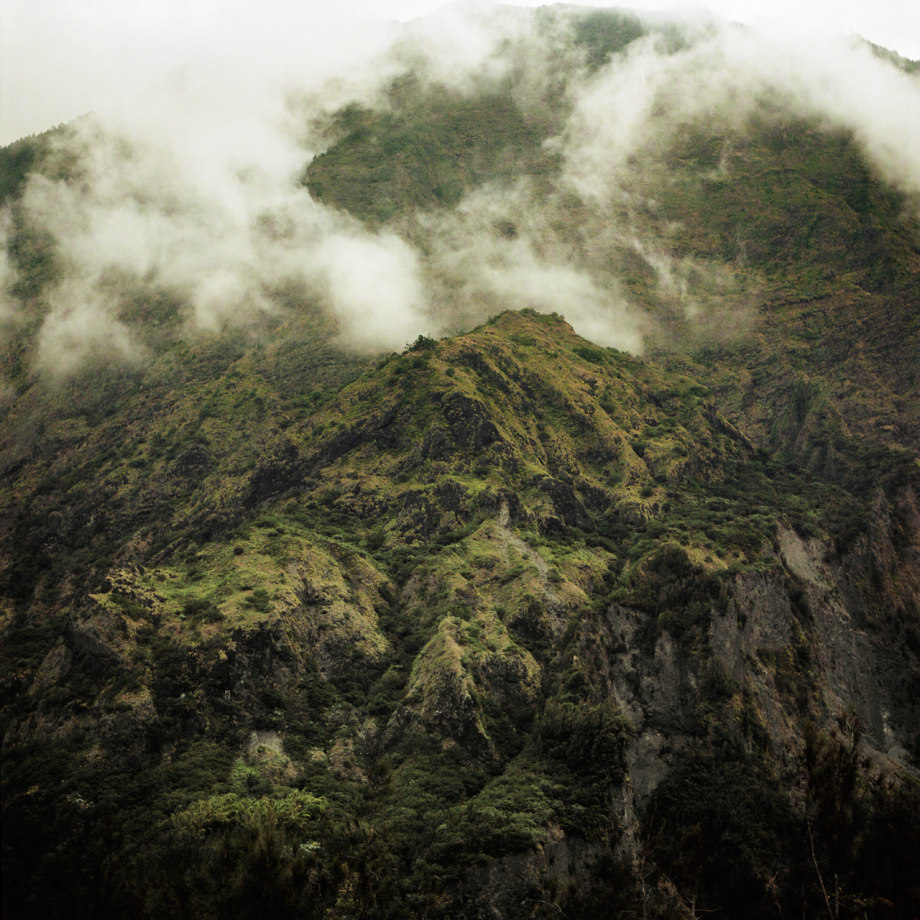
pixel 615 612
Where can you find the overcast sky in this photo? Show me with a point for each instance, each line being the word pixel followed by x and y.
pixel 62 58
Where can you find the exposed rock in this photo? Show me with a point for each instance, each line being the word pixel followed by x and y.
pixel 570 510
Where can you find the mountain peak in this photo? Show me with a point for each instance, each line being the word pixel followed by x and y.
pixel 509 623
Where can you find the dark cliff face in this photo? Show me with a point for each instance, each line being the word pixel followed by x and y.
pixel 507 624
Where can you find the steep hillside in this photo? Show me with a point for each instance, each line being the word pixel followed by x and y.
pixel 507 622
pixel 771 243
pixel 493 604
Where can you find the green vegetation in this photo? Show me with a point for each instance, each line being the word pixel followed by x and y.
pixel 508 620
pixel 603 33
pixel 427 151
pixel 351 699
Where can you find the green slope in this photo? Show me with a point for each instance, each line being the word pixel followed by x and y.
pixel 392 654
pixel 507 621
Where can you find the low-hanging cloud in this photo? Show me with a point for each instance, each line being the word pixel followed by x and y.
pixel 8 274
pixel 375 284
pixel 497 251
pixel 195 188
pixel 642 99
pixel 212 211
pixel 82 329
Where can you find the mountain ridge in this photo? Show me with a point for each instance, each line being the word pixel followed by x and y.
pixel 510 622
pixel 488 585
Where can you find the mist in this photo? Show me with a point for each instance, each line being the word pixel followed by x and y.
pixel 195 188
pixel 647 95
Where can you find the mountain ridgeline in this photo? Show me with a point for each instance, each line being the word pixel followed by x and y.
pixel 511 622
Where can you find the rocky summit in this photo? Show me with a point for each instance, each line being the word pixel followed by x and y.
pixel 598 596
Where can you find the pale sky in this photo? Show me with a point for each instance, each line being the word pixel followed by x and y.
pixel 62 58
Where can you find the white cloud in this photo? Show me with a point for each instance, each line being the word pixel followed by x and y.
pixel 483 270
pixel 81 328
pixel 643 98
pixel 374 283
pixel 196 191
pixel 62 58
pixel 9 306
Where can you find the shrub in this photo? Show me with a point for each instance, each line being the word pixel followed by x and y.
pixel 199 608
pixel 592 355
pixel 259 600
pixel 423 343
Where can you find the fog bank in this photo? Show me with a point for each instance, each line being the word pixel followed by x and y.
pixel 194 190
